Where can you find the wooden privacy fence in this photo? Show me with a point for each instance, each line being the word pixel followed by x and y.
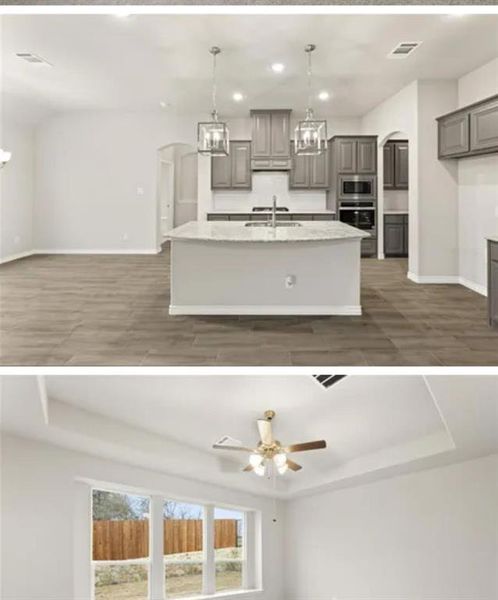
pixel 125 540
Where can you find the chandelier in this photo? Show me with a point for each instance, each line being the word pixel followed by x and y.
pixel 310 136
pixel 212 136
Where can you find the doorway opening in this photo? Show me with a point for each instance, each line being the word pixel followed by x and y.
pixel 176 188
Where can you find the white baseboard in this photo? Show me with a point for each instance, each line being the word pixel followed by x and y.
pixel 441 279
pixel 475 287
pixel 195 309
pixel 17 256
pixel 96 251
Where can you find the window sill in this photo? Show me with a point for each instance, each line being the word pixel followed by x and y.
pixel 234 594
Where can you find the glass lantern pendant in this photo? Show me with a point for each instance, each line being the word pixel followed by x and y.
pixel 212 136
pixel 310 136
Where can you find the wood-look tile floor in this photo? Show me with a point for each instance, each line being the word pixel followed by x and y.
pixel 113 310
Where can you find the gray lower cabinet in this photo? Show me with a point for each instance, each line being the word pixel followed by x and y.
pixel 396 235
pixel 232 172
pixel 493 283
pixel 355 155
pixel 469 131
pixel 282 216
pixel 369 246
pixel 308 172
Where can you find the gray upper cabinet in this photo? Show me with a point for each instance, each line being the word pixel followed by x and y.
pixel 388 166
pixel 493 283
pixel 469 131
pixel 484 127
pixel 308 172
pixel 396 165
pixel 454 135
pixel 366 152
pixel 401 165
pixel 232 171
pixel 355 155
pixel 270 139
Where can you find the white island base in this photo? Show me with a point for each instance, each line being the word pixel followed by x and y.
pixel 285 273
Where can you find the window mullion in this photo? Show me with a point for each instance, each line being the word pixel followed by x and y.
pixel 208 572
pixel 156 574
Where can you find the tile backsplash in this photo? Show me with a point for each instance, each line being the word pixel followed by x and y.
pixel 264 186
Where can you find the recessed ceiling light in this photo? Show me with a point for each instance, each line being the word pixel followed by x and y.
pixel 277 67
pixel 164 104
pixel 324 96
pixel 237 96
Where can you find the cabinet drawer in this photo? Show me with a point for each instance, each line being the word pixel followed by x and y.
pixel 493 250
pixel 281 164
pixel 261 163
pixel 218 218
pixel 323 217
pixel 394 219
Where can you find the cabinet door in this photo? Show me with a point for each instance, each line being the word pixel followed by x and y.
pixel 388 166
pixel 484 126
pixel 393 239
pixel 261 135
pixel 453 135
pixel 346 155
pixel 240 156
pixel 405 235
pixel 318 167
pixel 401 165
pixel 366 156
pixel 493 293
pixel 299 174
pixel 280 134
pixel 220 172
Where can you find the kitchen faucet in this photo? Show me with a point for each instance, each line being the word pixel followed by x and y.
pixel 274 212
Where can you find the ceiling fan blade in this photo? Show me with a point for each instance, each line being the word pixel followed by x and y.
pixel 318 445
pixel 224 447
pixel 248 469
pixel 293 466
pixel 265 431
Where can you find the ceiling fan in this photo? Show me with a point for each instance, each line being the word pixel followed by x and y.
pixel 270 453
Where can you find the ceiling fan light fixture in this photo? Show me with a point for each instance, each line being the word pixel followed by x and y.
pixel 282 469
pixel 213 136
pixel 255 460
pixel 280 459
pixel 260 470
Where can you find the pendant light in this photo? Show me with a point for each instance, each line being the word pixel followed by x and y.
pixel 4 157
pixel 212 136
pixel 310 136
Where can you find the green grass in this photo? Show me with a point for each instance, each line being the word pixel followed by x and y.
pixel 177 587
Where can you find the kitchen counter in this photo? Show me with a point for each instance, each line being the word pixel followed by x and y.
pixel 492 238
pixel 226 268
pixel 309 231
pixel 268 212
pixel 396 211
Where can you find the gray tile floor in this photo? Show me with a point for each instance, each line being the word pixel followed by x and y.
pixel 113 310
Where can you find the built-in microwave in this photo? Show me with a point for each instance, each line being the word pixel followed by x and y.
pixel 362 218
pixel 357 187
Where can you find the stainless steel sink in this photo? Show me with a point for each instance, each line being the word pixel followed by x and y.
pixel 269 224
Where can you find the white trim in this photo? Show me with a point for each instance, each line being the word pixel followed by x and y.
pixel 277 309
pixel 12 257
pixel 381 256
pixel 475 287
pixel 156 549
pixel 433 279
pixel 208 573
pixel 42 391
pixel 96 251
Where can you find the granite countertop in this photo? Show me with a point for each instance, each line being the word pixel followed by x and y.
pixel 492 238
pixel 396 211
pixel 310 231
pixel 306 211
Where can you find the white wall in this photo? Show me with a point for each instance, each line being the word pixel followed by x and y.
pixel 96 179
pixel 477 186
pixel 431 535
pixel 40 516
pixel 17 191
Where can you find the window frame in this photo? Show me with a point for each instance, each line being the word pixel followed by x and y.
pixel 156 562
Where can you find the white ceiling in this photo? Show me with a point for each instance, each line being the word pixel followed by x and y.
pixel 106 62
pixel 375 426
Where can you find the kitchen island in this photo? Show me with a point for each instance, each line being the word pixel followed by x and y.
pixel 298 268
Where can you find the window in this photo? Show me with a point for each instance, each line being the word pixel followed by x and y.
pixel 120 540
pixel 229 549
pixel 183 549
pixel 150 547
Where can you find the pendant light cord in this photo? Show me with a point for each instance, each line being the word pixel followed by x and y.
pixel 309 80
pixel 215 112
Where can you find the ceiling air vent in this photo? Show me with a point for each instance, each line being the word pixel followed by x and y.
pixel 32 58
pixel 403 49
pixel 327 381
